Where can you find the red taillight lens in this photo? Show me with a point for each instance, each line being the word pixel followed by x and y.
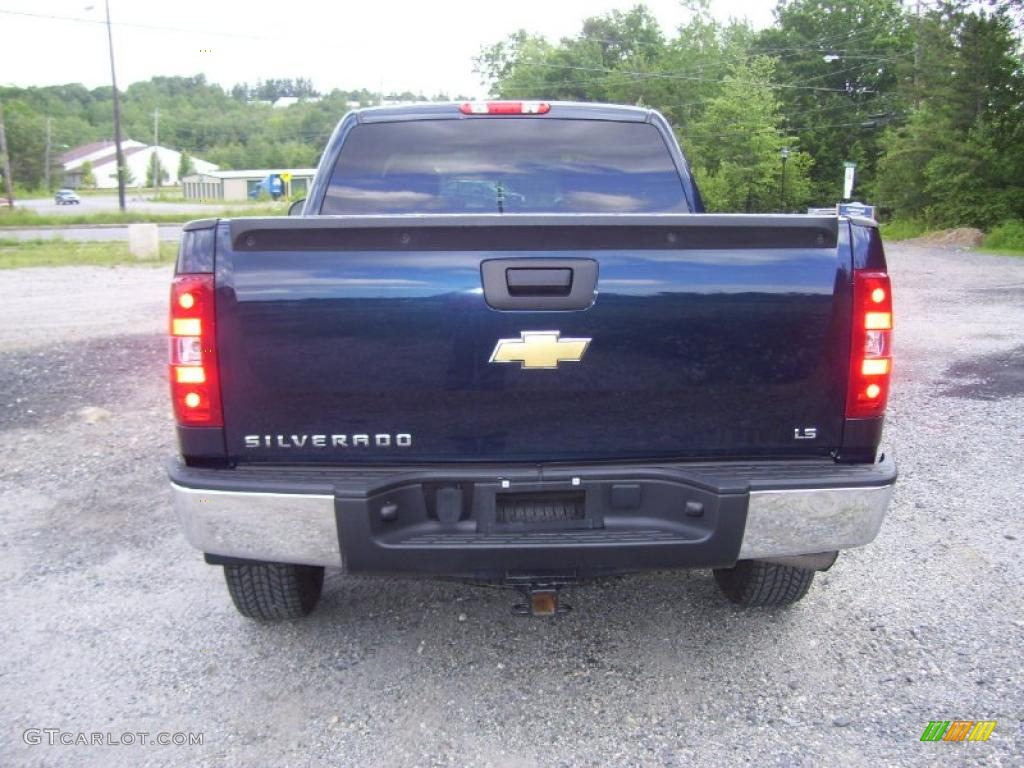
pixel 505 108
pixel 195 384
pixel 871 345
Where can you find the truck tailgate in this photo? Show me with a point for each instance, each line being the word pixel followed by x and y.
pixel 372 339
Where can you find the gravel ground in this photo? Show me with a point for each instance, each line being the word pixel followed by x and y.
pixel 109 622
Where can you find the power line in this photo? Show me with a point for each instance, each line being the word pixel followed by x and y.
pixel 822 49
pixel 160 28
pixel 741 131
pixel 825 41
pixel 616 78
pixel 671 76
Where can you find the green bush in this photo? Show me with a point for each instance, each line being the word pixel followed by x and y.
pixel 903 229
pixel 1007 236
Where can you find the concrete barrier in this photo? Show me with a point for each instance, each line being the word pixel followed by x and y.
pixel 144 241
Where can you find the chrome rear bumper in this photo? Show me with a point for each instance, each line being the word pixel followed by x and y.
pixel 301 524
pixel 802 522
pixel 295 528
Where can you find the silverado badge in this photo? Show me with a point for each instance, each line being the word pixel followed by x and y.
pixel 539 349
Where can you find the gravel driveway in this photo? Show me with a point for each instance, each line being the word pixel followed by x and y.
pixel 109 622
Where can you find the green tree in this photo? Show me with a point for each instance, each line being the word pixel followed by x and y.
pixel 129 177
pixel 702 80
pixel 26 143
pixel 838 67
pixel 155 171
pixel 959 157
pixel 738 145
pixel 185 165
pixel 88 178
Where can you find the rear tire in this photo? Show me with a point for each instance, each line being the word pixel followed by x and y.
pixel 756 584
pixel 274 591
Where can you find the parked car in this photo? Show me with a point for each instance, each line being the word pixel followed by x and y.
pixel 505 344
pixel 66 197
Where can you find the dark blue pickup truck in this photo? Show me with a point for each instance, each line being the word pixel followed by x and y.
pixel 502 342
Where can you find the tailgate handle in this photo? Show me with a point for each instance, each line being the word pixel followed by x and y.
pixel 539 284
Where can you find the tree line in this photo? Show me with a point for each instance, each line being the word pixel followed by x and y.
pixel 927 100
pixel 234 128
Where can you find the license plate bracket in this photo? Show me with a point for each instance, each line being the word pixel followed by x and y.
pixel 540 507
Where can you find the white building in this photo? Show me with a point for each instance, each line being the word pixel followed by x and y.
pixel 137 157
pixel 243 185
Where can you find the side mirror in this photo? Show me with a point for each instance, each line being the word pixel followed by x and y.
pixel 295 209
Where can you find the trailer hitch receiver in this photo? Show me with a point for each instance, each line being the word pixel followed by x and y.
pixel 541 600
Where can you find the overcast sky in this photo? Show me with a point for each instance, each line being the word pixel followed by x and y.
pixel 424 46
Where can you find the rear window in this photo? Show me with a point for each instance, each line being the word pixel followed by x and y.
pixel 510 165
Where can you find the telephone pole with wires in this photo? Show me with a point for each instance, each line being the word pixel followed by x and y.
pixel 5 158
pixel 917 53
pixel 118 152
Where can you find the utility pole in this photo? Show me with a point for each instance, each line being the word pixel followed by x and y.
pixel 119 154
pixel 46 155
pixel 917 53
pixel 156 148
pixel 784 156
pixel 8 182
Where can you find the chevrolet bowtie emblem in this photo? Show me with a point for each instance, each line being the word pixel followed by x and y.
pixel 539 349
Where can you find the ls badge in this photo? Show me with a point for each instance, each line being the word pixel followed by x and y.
pixel 539 349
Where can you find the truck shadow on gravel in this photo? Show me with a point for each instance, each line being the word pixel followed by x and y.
pixel 654 601
pixel 995 376
pixel 44 384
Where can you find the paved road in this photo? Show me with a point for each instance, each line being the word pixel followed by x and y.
pixel 170 232
pixel 109 622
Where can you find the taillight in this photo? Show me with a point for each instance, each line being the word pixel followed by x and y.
pixel 871 345
pixel 505 108
pixel 195 384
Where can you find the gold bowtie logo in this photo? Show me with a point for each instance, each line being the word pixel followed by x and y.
pixel 539 349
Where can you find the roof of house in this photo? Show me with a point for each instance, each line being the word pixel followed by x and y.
pixel 112 156
pixel 77 153
pixel 86 149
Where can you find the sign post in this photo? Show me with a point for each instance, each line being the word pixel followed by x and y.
pixel 848 180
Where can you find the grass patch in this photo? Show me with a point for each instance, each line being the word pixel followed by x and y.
pixel 15 254
pixel 903 229
pixel 1002 251
pixel 1008 237
pixel 22 217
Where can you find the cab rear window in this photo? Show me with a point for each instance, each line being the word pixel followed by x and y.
pixel 504 165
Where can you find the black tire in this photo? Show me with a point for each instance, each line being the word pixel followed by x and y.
pixel 754 584
pixel 274 591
